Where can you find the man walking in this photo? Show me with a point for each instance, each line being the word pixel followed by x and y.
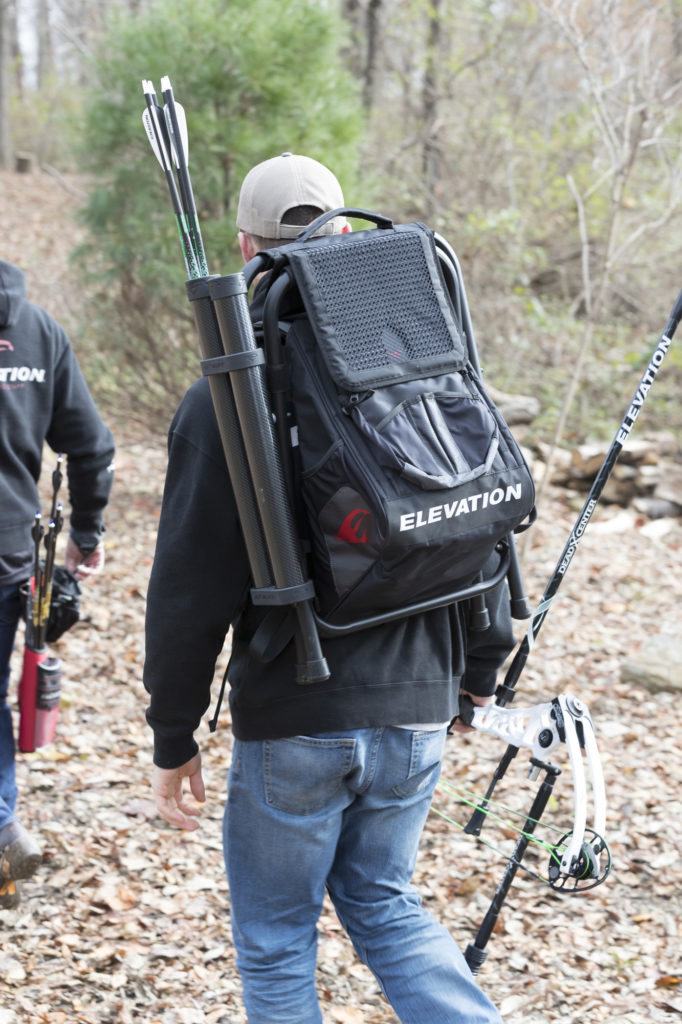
pixel 43 399
pixel 330 784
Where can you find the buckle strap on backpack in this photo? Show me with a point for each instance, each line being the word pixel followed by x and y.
pixel 273 634
pixel 236 361
pixel 532 516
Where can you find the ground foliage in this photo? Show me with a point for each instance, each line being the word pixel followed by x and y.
pixel 128 920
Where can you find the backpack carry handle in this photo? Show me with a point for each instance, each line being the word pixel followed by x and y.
pixel 344 211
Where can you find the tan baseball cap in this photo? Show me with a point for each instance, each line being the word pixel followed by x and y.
pixel 281 183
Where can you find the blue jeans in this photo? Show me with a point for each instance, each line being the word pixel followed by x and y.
pixel 9 620
pixel 345 812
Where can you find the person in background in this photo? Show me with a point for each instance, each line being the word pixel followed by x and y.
pixel 43 399
pixel 330 785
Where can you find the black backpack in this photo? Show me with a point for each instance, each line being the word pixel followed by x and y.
pixel 356 419
pixel 408 473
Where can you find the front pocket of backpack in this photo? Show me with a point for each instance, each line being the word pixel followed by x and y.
pixel 343 523
pixel 436 440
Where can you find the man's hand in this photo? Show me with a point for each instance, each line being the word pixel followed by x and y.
pixel 481 702
pixel 83 567
pixel 167 785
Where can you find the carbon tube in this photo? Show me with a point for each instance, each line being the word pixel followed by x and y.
pixel 230 433
pixel 252 404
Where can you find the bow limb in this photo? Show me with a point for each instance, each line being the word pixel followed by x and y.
pixel 567 717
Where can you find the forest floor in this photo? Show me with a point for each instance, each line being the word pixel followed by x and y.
pixel 127 920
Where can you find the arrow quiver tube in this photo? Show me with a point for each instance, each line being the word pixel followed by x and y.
pixel 234 364
pixel 39 698
pixel 28 692
pixel 214 367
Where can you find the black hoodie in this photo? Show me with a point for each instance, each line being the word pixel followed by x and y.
pixel 44 397
pixel 399 673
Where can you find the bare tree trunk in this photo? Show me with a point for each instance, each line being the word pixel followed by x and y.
pixel 373 61
pixel 363 56
pixel 5 56
pixel 676 16
pixel 15 49
pixel 351 12
pixel 45 46
pixel 431 147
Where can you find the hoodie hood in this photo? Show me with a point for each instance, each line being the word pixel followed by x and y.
pixel 12 292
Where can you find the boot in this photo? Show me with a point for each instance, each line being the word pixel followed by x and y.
pixel 10 896
pixel 20 854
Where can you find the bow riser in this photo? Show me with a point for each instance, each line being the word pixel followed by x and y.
pixel 542 729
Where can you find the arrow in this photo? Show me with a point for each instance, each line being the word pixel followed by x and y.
pixel 176 124
pixel 157 139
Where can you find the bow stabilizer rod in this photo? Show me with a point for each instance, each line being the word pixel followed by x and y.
pixel 505 692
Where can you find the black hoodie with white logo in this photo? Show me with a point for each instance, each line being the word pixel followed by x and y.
pixel 44 398
pixel 394 674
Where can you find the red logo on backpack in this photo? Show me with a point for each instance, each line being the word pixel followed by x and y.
pixel 354 527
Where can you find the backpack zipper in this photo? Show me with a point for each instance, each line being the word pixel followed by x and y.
pixel 355 399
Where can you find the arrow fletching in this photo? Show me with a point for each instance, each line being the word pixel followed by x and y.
pixel 179 147
pixel 166 129
pixel 151 135
pixel 154 105
pixel 176 123
pixel 152 126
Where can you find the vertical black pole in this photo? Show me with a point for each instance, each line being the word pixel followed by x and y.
pixel 476 952
pixel 228 294
pixel 230 433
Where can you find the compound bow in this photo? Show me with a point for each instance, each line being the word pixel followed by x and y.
pixel 580 860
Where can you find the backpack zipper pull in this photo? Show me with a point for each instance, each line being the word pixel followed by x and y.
pixel 355 399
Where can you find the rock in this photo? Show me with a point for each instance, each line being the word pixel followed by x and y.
pixel 664 442
pixel 586 459
pixel 657 667
pixel 655 508
pixel 516 409
pixel 644 470
pixel 621 486
pixel 669 486
pixel 560 473
pixel 657 529
pixel 23 162
pixel 648 477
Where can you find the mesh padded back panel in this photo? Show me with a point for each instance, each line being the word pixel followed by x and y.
pixel 377 305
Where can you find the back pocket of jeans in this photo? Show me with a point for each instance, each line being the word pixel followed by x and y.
pixel 425 761
pixel 304 773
